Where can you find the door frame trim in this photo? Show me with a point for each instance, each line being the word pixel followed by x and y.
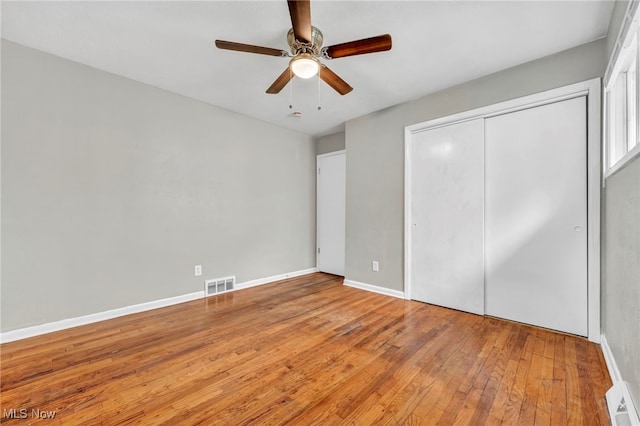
pixel 592 90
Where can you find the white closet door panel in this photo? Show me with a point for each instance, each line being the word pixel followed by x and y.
pixel 446 266
pixel 536 217
pixel 331 211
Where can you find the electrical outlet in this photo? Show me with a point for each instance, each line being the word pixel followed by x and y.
pixel 198 270
pixel 375 266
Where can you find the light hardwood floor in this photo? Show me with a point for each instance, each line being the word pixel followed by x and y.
pixel 306 351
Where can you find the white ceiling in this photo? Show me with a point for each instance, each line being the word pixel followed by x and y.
pixel 436 45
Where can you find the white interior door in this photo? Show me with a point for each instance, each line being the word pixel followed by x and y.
pixel 331 210
pixel 446 215
pixel 536 216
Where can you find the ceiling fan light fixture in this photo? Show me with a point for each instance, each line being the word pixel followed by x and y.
pixel 305 44
pixel 304 65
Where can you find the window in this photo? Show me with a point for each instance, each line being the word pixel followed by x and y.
pixel 622 111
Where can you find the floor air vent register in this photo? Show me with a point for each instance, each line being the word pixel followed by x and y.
pixel 219 285
pixel 621 409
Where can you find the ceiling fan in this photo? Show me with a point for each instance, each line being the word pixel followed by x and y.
pixel 305 42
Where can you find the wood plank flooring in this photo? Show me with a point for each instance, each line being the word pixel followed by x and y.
pixel 304 351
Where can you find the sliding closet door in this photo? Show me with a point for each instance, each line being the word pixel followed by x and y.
pixel 536 216
pixel 446 216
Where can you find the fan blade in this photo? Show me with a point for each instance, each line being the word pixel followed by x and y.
pixel 300 11
pixel 359 47
pixel 249 48
pixel 333 80
pixel 280 82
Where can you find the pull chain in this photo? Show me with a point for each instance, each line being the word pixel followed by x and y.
pixel 290 89
pixel 319 70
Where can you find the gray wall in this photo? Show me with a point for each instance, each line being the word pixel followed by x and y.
pixel 113 190
pixel 375 154
pixel 330 143
pixel 621 272
pixel 621 258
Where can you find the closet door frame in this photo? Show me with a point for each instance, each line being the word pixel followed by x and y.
pixel 592 90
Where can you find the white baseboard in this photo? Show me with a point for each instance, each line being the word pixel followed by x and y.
pixel 374 288
pixel 37 330
pixel 622 410
pixel 614 373
pixel 261 281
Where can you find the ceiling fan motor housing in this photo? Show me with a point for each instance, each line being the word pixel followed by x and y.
pixel 312 48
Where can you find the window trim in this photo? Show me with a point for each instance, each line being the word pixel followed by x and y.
pixel 627 158
pixel 628 37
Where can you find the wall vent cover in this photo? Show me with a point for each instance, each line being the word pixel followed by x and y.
pixel 219 285
pixel 621 409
